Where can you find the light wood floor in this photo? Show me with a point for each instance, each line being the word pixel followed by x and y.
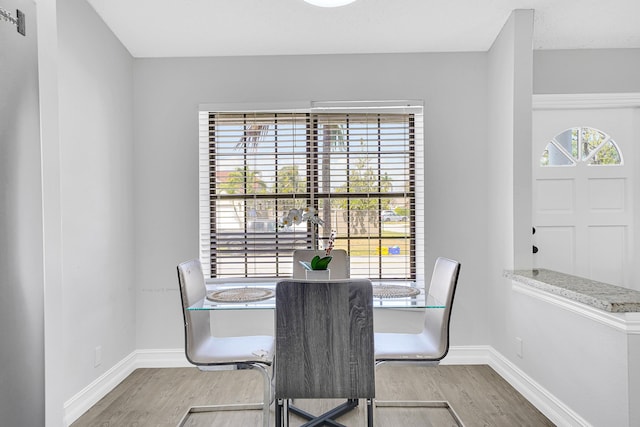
pixel 160 397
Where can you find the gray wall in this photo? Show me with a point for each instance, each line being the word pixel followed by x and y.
pixel 509 187
pixel 50 146
pixel 167 94
pixel 95 82
pixel 21 272
pixel 586 71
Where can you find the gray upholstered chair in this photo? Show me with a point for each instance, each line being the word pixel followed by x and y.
pixel 432 344
pixel 324 345
pixel 205 350
pixel 339 265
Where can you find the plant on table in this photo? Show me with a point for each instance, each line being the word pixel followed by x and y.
pixel 309 214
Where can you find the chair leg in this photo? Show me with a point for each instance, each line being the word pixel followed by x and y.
pixel 218 408
pixel 263 406
pixel 421 404
pixel 326 419
pixel 416 403
pixel 369 413
pixel 278 410
pixel 266 400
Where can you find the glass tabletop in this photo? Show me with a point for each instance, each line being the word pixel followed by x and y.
pixel 261 295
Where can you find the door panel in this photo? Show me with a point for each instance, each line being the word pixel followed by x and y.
pixel 559 248
pixel 555 196
pixel 607 195
pixel 606 253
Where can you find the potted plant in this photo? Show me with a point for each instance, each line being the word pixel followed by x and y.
pixel 318 267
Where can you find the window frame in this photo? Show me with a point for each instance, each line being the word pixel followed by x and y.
pixel 416 192
pixel 576 155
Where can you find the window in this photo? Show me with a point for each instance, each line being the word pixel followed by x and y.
pixel 581 144
pixel 361 171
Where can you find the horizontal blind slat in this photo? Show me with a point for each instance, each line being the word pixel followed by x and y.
pixel 242 156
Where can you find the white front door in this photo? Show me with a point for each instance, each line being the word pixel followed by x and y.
pixel 583 165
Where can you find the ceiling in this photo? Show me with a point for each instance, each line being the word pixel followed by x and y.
pixel 180 28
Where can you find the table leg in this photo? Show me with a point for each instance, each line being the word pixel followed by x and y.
pixel 328 418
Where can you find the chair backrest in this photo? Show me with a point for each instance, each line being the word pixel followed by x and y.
pixel 197 329
pixel 443 287
pixel 339 264
pixel 324 339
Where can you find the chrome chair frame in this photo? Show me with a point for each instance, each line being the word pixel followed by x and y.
pixel 209 353
pixel 428 347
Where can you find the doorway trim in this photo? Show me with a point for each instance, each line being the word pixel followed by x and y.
pixel 585 100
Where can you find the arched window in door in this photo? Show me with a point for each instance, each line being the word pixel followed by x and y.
pixel 581 144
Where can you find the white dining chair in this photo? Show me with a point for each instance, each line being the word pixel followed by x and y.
pixel 430 345
pixel 205 350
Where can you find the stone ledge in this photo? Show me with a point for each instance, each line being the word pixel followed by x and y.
pixel 603 296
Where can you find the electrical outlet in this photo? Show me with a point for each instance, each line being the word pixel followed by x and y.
pixel 519 347
pixel 97 361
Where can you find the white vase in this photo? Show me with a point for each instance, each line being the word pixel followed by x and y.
pixel 318 274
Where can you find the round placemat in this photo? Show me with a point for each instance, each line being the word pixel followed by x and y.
pixel 240 295
pixel 394 291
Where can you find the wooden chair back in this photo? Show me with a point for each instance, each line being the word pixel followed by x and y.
pixel 324 339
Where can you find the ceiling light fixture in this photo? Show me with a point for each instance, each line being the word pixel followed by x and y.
pixel 329 3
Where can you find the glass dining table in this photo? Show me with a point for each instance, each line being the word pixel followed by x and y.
pixel 260 295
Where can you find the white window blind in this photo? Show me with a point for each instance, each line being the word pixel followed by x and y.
pixel 361 171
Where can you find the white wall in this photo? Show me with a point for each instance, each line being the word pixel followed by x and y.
pixel 582 362
pixel 96 195
pixel 509 192
pixel 167 94
pixel 633 346
pixel 21 272
pixel 50 145
pixel 586 71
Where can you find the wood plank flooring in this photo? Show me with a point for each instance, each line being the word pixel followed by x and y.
pixel 160 397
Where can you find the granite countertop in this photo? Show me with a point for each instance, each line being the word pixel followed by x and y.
pixel 611 298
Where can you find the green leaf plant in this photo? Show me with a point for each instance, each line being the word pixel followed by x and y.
pixel 318 263
pixel 322 263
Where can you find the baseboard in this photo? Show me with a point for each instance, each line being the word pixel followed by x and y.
pixel 559 413
pixel 173 358
pixel 91 394
pixel 468 355
pixel 553 408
